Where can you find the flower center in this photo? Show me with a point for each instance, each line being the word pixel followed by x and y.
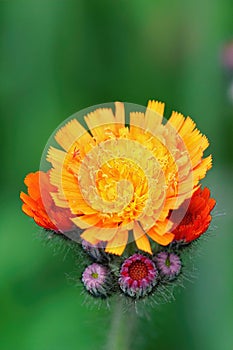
pixel 122 182
pixel 168 262
pixel 138 270
pixel 94 275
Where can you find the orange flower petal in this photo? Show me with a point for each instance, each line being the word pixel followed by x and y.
pixel 164 240
pixel 141 239
pixel 118 243
pixel 192 219
pixel 51 217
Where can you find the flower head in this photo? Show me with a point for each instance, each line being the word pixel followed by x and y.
pixel 52 217
pixel 193 218
pixel 138 275
pixel 121 174
pixel 95 279
pixel 169 264
pixel 115 177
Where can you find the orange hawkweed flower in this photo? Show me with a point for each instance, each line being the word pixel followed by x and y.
pixel 117 176
pixel 195 220
pixel 51 218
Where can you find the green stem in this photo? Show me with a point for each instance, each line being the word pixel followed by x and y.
pixel 122 326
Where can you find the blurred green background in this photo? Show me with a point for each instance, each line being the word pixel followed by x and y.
pixel 59 56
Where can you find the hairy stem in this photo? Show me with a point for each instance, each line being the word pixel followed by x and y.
pixel 122 327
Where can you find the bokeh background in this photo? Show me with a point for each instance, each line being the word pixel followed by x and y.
pixel 59 56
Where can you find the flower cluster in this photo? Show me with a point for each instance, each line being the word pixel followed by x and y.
pixel 127 188
pixel 138 275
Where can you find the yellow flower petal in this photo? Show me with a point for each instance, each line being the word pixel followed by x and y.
pixel 118 243
pixel 119 115
pixel 70 133
pixel 141 239
pixel 89 235
pixel 153 116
